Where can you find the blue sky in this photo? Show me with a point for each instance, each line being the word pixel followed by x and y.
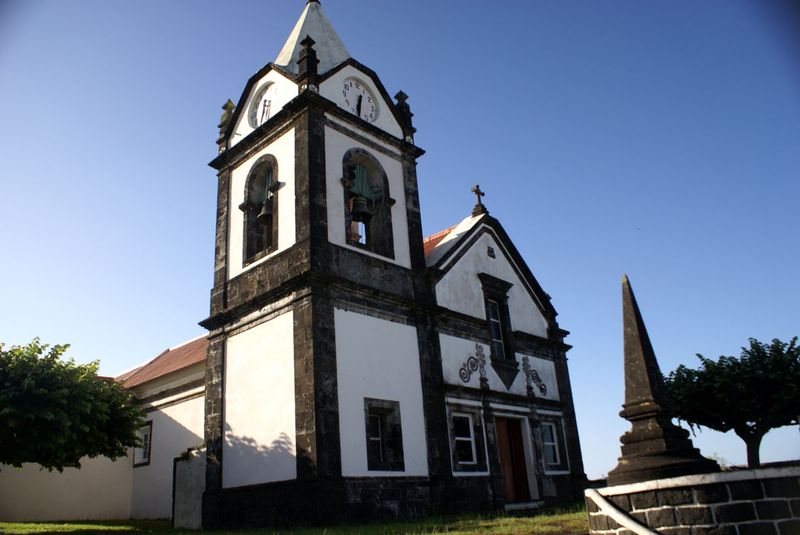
pixel 657 139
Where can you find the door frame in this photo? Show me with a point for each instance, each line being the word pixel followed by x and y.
pixel 527 447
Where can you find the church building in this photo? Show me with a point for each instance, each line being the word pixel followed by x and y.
pixel 353 369
pixel 352 364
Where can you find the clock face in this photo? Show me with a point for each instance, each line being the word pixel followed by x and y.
pixel 262 105
pixel 359 100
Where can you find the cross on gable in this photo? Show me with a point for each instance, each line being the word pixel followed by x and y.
pixel 479 207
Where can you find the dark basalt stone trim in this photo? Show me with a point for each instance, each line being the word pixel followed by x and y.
pixel 531 342
pixel 316 391
pixel 171 392
pixel 496 396
pixel 464 326
pixel 333 125
pixel 221 236
pixel 325 501
pixel 214 424
pixel 259 284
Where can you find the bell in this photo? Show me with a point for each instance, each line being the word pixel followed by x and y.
pixel 265 215
pixel 360 212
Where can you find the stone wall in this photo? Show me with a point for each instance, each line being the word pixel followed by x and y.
pixel 745 502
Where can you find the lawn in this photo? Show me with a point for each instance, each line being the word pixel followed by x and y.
pixel 573 522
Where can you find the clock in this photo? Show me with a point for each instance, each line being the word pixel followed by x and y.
pixel 359 100
pixel 262 105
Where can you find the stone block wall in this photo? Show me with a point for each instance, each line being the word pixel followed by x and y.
pixel 745 502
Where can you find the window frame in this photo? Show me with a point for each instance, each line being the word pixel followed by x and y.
pixel 148 447
pixel 471 438
pixel 480 465
pixel 556 424
pixel 390 435
pixel 495 291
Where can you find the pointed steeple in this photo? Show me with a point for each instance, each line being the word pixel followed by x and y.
pixel 313 23
pixel 654 448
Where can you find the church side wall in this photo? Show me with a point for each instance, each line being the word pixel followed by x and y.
pixel 378 359
pixel 283 151
pixel 100 489
pixel 177 426
pixel 460 289
pixel 259 390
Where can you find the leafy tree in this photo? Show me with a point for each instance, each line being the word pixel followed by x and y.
pixel 751 394
pixel 53 412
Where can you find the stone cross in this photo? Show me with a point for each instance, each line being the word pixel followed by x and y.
pixel 479 207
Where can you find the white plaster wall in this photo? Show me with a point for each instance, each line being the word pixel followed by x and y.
pixel 100 489
pixel 283 151
pixel 286 90
pixel 336 145
pixel 259 444
pixel 176 428
pixel 461 290
pixel 332 90
pixel 378 359
pixel 456 351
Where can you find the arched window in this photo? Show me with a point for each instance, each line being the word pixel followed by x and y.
pixel 260 209
pixel 367 205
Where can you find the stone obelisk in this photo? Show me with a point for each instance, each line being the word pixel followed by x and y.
pixel 654 448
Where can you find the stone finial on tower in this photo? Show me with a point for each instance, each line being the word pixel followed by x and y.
pixel 224 121
pixel 654 448
pixel 307 74
pixel 404 110
pixel 479 207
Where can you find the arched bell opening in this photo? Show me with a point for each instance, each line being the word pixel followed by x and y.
pixel 367 204
pixel 260 209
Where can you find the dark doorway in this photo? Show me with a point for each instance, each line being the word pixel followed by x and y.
pixel 512 459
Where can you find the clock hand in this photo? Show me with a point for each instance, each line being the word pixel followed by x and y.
pixel 358 105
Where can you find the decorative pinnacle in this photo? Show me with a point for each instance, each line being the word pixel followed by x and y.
pixel 479 207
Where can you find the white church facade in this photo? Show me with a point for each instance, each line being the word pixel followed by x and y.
pixel 352 369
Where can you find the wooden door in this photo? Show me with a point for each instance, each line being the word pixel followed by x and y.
pixel 512 459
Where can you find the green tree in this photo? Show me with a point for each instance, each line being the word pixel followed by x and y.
pixel 751 394
pixel 53 411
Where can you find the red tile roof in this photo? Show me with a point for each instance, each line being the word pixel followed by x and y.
pixel 429 243
pixel 169 361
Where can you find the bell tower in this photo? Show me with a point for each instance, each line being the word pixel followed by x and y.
pixel 322 384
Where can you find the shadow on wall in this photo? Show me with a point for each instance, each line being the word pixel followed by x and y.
pixel 246 461
pixel 176 428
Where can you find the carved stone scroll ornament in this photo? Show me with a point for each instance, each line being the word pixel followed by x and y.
pixel 532 377
pixel 474 363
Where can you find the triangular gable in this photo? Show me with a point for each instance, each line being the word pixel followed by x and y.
pixel 450 249
pixel 241 104
pixel 369 73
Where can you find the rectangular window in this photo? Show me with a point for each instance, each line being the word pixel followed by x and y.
pixel 467 441
pixel 550 444
pixel 554 449
pixel 464 438
pixel 141 454
pixel 495 299
pixel 384 435
pixel 495 328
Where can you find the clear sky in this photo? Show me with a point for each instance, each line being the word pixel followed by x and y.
pixel 657 139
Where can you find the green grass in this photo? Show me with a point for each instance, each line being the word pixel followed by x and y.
pixel 571 522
